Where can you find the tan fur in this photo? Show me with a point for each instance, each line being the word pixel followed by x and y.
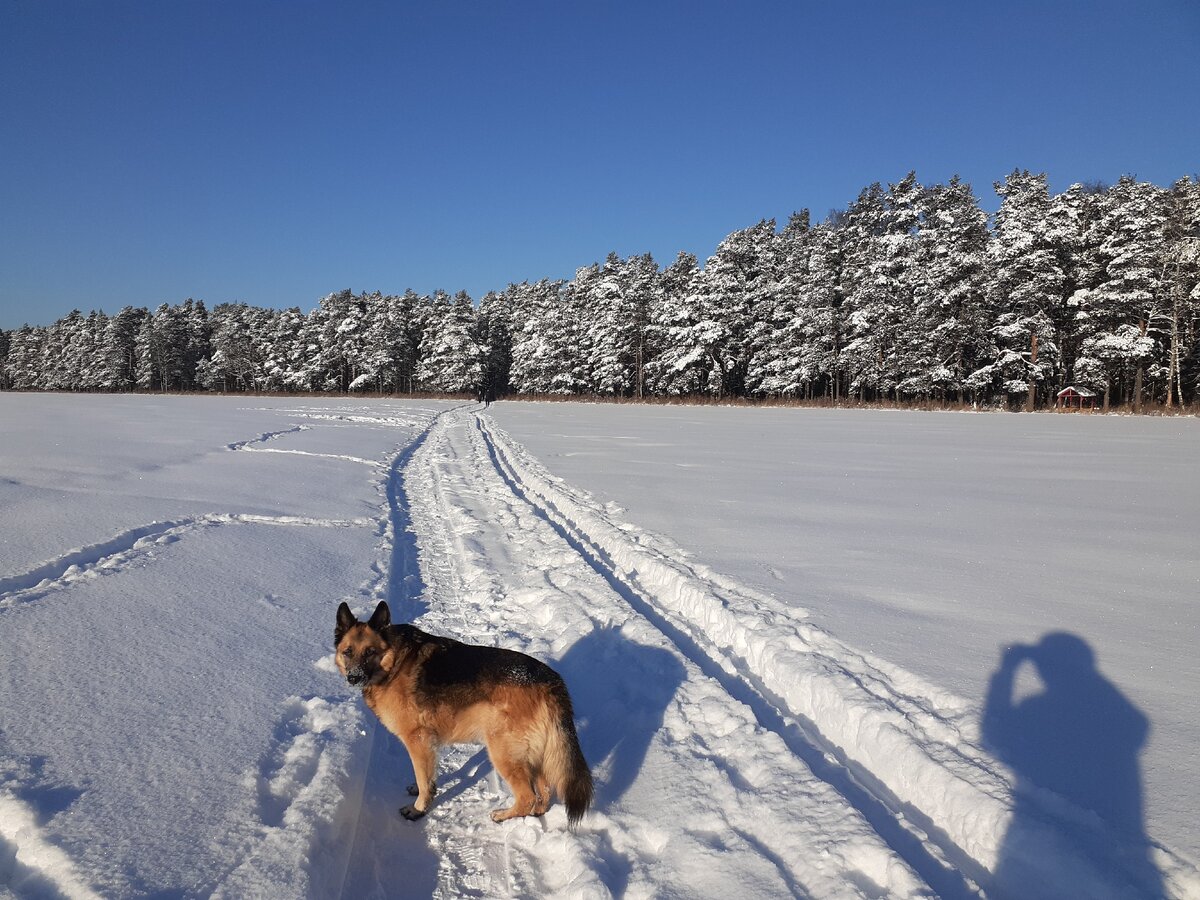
pixel 518 719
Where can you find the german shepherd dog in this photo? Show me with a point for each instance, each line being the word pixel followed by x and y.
pixel 430 691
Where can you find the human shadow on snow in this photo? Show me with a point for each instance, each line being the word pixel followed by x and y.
pixel 1077 740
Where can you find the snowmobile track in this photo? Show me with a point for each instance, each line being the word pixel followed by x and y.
pixel 494 568
pixel 894 824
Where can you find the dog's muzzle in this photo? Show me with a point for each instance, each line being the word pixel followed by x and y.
pixel 356 676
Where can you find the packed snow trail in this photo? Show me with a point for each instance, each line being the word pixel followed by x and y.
pixel 659 733
pixel 511 555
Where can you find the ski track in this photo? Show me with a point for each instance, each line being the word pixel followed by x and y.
pixel 511 555
pixel 266 436
pixel 122 550
pixel 496 571
pixel 904 753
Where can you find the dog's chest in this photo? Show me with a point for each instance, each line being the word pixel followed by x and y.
pixel 393 705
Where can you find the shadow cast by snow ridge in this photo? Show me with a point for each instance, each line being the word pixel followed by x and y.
pixel 405 587
pixel 1074 748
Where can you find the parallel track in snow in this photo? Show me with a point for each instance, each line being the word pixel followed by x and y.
pixel 877 783
pixel 865 794
pixel 495 569
pixel 903 754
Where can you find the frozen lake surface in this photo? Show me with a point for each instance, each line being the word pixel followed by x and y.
pixel 782 630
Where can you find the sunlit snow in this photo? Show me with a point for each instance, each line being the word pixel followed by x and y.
pixel 778 627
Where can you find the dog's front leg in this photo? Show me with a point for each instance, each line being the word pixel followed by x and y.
pixel 423 753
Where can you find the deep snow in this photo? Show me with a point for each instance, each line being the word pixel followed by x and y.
pixel 171 722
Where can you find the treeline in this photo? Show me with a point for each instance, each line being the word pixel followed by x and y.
pixel 908 294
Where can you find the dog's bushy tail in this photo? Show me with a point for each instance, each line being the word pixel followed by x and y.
pixel 566 769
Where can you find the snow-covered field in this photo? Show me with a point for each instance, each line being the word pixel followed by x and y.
pixel 779 644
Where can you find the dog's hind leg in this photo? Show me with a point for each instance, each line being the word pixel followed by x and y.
pixel 515 770
pixel 541 789
pixel 423 753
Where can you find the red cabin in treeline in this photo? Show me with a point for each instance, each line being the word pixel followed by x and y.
pixel 1072 397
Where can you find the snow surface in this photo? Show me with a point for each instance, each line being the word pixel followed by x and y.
pixel 171 722
pixel 935 540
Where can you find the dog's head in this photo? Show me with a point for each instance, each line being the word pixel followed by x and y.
pixel 360 648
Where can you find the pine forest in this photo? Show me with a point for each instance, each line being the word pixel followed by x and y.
pixel 911 294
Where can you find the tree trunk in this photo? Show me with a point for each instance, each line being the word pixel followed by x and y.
pixel 1173 363
pixel 1029 402
pixel 1138 377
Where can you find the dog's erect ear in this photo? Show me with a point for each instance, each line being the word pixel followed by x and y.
pixel 382 617
pixel 345 621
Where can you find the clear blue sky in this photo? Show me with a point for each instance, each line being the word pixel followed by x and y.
pixel 275 152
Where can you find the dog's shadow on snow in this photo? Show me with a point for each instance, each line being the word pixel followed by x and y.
pixel 620 690
pixel 1076 738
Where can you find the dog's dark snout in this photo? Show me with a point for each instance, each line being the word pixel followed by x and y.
pixel 356 676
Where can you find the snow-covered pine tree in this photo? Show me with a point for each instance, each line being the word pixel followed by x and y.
pixel 197 335
pixel 1180 284
pixel 382 339
pixel 22 367
pixel 451 358
pixel 580 296
pixel 947 334
pixel 822 306
pixel 1077 214
pixel 335 336
pixel 879 231
pixel 1028 282
pixel 61 353
pixel 92 368
pixel 737 285
pixel 547 356
pixel 778 366
pixel 615 302
pixel 283 356
pixel 235 362
pixel 120 349
pixel 147 374
pixel 494 333
pixel 164 339
pixel 679 365
pixel 1133 320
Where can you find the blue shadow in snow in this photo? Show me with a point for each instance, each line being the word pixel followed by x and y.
pixel 620 690
pixel 1079 738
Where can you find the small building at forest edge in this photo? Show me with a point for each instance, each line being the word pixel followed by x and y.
pixel 1072 397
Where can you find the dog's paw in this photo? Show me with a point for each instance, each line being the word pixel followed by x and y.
pixel 412 813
